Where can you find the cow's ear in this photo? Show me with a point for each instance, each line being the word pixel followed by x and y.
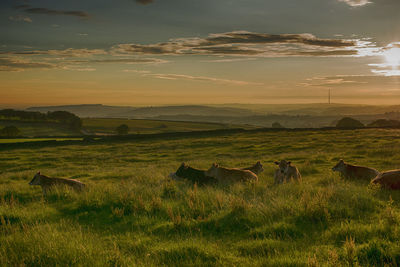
pixel 277 163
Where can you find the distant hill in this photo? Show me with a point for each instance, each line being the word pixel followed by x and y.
pixel 87 110
pixel 102 111
pixel 193 110
pixel 289 115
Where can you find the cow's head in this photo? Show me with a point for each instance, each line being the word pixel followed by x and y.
pixel 181 170
pixel 212 171
pixel 283 165
pixel 259 167
pixel 36 179
pixel 339 167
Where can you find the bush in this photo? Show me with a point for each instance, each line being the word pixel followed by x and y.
pixel 349 123
pixel 122 129
pixel 10 131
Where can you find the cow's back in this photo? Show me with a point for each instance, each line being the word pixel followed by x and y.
pixel 360 172
pixel 69 182
pixel 235 175
pixel 196 176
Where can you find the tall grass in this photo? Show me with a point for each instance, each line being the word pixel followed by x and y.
pixel 132 215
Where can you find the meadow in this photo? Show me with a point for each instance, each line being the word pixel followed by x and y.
pixel 142 126
pixel 102 126
pixel 132 215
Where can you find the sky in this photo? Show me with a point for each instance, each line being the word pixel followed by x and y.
pixel 162 52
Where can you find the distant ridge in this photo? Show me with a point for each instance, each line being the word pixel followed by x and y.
pixel 102 111
pixel 85 110
pixel 293 115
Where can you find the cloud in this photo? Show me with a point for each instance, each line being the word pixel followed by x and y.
pixel 169 76
pixel 144 2
pixel 327 81
pixel 20 18
pixel 69 52
pixel 242 43
pixel 20 64
pixel 46 11
pixel 356 3
pixel 124 60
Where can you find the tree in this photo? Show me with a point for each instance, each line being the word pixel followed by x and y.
pixel 122 129
pixel 349 123
pixel 10 131
pixel 73 121
pixel 277 125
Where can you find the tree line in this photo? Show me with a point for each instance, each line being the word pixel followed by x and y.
pixel 63 117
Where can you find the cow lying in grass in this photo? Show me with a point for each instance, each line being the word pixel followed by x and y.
pixel 47 183
pixel 226 175
pixel 256 168
pixel 388 179
pixel 287 172
pixel 193 175
pixel 355 172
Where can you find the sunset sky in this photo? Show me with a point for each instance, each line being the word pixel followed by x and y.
pixel 144 52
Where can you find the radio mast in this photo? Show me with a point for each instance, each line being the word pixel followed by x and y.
pixel 329 96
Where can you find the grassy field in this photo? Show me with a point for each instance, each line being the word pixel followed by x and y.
pixel 32 129
pixel 22 140
pixel 131 215
pixel 108 126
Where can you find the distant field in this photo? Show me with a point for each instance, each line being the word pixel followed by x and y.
pixel 107 126
pixel 131 215
pixel 38 128
pixel 21 140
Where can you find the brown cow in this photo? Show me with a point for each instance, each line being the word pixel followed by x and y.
pixel 47 183
pixel 388 179
pixel 225 175
pixel 288 171
pixel 353 171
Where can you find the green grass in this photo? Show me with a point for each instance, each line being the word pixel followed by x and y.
pixel 108 126
pixel 32 129
pixel 131 215
pixel 22 140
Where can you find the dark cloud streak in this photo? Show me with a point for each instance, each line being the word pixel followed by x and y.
pixel 46 11
pixel 144 2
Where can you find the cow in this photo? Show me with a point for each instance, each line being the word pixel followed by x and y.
pixel 279 177
pixel 355 172
pixel 47 183
pixel 388 179
pixel 226 175
pixel 193 175
pixel 288 171
pixel 256 168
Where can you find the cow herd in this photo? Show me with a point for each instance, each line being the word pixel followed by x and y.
pixel 285 172
pixel 222 175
